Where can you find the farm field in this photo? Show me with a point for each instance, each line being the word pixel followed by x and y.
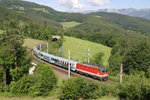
pixel 69 24
pixel 79 49
pixel 30 43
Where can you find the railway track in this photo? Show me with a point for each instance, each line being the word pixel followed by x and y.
pixel 63 73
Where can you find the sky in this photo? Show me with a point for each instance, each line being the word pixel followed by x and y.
pixel 86 5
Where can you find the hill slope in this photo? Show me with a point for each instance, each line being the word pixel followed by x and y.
pixel 44 14
pixel 79 49
pixel 36 12
pixel 127 22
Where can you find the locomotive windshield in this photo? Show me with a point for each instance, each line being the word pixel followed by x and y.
pixel 104 71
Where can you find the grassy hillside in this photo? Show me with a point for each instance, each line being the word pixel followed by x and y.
pixel 69 24
pixel 79 49
pixel 30 43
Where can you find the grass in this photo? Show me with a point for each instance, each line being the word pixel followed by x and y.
pixel 69 24
pixel 108 98
pixel 79 49
pixel 40 9
pixel 115 78
pixel 97 16
pixel 20 11
pixel 1 31
pixel 19 7
pixel 30 43
pixel 51 98
pixel 28 98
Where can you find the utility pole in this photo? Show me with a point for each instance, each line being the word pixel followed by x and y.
pixel 121 70
pixel 47 47
pixel 88 55
pixel 69 64
pixel 40 47
pixel 62 49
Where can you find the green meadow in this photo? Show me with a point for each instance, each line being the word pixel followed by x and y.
pixel 40 9
pixel 30 43
pixel 69 24
pixel 79 49
pixel 97 16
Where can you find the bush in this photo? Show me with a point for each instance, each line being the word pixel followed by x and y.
pixel 135 88
pixel 40 83
pixel 97 59
pixel 46 83
pixel 22 87
pixel 75 88
pixel 115 63
pixel 148 73
pixel 106 90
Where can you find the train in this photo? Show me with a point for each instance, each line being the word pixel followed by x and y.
pixel 95 71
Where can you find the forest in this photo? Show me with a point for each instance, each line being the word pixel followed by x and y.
pixel 129 40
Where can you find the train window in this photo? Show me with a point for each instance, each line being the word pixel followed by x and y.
pixel 103 71
pixel 106 70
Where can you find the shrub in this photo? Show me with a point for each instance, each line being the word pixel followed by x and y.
pixel 46 83
pixel 148 73
pixel 97 59
pixel 105 90
pixel 22 87
pixel 75 88
pixel 39 84
pixel 134 88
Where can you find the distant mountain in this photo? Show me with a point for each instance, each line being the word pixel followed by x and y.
pixel 145 13
pixel 127 22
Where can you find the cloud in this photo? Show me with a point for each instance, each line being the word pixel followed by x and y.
pixel 98 2
pixel 72 3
